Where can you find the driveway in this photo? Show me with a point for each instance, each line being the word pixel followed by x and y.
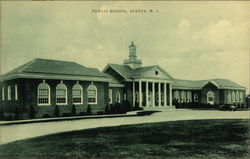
pixel 9 133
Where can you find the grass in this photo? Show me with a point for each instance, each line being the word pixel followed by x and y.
pixel 217 139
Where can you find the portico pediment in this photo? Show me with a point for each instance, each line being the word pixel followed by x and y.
pixel 155 73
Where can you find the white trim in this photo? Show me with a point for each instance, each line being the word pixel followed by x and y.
pixel 43 104
pixel 213 82
pixel 75 85
pixel 116 85
pixel 9 93
pixel 66 92
pixel 95 94
pixel 16 93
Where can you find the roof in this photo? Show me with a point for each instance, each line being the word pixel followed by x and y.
pixel 132 44
pixel 128 73
pixel 51 68
pixel 199 84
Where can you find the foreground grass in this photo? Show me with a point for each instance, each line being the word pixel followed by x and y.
pixel 179 139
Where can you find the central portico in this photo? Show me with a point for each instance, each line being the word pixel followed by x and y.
pixel 152 92
pixel 148 86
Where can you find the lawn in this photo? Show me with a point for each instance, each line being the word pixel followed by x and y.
pixel 178 139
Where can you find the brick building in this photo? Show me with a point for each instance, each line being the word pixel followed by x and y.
pixel 43 84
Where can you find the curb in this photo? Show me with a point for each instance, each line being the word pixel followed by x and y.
pixel 65 119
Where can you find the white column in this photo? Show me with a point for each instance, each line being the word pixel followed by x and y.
pixel 146 93
pixel 153 94
pixel 159 94
pixel 140 92
pixel 170 94
pixel 133 94
pixel 165 94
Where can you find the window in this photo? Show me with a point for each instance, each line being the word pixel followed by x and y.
pixel 177 95
pixel 9 93
pixel 125 96
pixel 233 96
pixel 16 93
pixel 189 96
pixel 183 96
pixel 110 96
pixel 43 94
pixel 92 94
pixel 77 94
pixel 229 97
pixel 210 96
pixel 61 94
pixel 237 96
pixel 3 95
pixel 118 97
pixel 196 97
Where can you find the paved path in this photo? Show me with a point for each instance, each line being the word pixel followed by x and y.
pixel 9 133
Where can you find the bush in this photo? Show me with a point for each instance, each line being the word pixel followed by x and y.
pixel 2 115
pixel 89 112
pixel 9 117
pixel 100 113
pixel 136 108
pixel 107 110
pixel 32 112
pixel 66 114
pixel 56 111
pixel 73 110
pixel 82 113
pixel 16 114
pixel 46 116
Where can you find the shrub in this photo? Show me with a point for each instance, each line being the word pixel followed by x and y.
pixel 9 117
pixel 89 112
pixel 2 115
pixel 82 113
pixel 56 111
pixel 73 110
pixel 100 113
pixel 16 114
pixel 107 110
pixel 66 114
pixel 136 108
pixel 32 112
pixel 46 116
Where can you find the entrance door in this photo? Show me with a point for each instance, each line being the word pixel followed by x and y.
pixel 150 99
pixel 210 97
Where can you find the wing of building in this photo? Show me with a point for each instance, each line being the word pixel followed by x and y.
pixel 41 85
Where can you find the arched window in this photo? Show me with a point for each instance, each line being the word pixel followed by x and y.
pixel 61 94
pixel 43 94
pixel 183 98
pixel 210 97
pixel 118 97
pixel 237 96
pixel 229 96
pixel 177 95
pixel 196 97
pixel 77 94
pixel 92 94
pixel 233 96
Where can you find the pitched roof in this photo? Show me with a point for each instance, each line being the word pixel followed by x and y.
pixel 221 83
pixel 53 67
pixel 127 72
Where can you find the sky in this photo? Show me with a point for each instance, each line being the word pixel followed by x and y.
pixel 190 40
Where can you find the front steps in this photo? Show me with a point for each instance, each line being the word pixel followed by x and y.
pixel 162 108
